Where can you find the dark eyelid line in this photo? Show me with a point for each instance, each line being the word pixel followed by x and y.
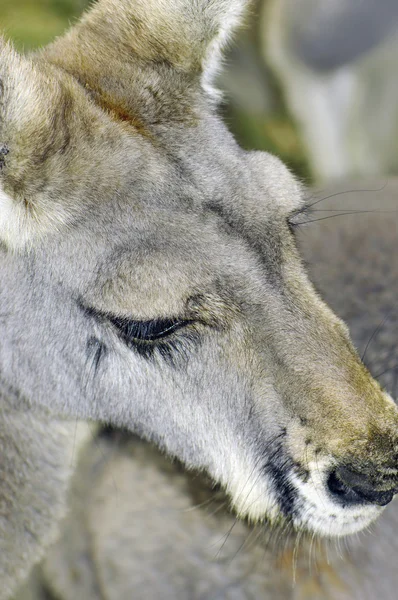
pixel 142 331
pixel 176 325
pixel 139 335
pixel 125 320
pixel 172 349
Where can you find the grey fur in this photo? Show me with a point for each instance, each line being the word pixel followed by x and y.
pixel 123 196
pixel 148 529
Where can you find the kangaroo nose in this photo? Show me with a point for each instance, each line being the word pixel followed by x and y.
pixel 352 487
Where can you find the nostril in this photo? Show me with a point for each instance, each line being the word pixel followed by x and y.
pixel 342 492
pixel 351 487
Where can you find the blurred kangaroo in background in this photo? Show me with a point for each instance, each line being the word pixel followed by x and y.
pixel 336 64
pixel 150 279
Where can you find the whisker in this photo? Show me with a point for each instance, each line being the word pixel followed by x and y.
pixel 353 191
pixel 376 331
pixel 200 505
pixel 226 536
pixel 352 210
pixel 244 543
pixel 216 510
pixel 74 444
pixel 340 214
pixel 295 555
pixel 395 384
pixel 394 368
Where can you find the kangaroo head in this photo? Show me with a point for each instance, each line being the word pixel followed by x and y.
pixel 150 276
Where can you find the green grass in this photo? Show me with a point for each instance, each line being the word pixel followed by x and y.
pixel 33 23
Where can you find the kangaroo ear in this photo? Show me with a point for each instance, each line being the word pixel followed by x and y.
pixel 26 135
pixel 49 134
pixel 186 34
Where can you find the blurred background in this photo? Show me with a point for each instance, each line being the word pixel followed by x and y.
pixel 313 81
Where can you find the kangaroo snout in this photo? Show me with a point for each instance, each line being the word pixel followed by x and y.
pixel 343 438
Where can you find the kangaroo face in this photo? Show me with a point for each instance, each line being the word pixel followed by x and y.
pixel 150 275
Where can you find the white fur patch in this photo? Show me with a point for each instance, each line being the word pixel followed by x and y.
pixel 252 495
pixel 20 227
pixel 320 514
pixel 12 231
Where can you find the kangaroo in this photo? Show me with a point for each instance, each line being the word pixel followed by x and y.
pixel 327 56
pixel 150 279
pixel 146 526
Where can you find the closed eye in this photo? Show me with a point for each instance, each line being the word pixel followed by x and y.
pixel 151 338
pixel 154 337
pixel 147 331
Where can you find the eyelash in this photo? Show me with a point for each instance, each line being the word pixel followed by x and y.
pixel 154 337
pixel 147 331
pixel 150 337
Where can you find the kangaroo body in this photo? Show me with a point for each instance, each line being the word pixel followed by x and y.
pixel 150 279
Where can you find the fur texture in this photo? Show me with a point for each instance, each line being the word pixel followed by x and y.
pixel 126 206
pixel 147 528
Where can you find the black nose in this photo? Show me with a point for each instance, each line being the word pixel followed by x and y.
pixel 353 487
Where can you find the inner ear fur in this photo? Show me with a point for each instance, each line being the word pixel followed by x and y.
pixel 29 98
pixel 50 130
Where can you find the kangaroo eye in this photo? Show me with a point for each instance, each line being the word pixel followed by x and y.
pixel 147 331
pixel 154 337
